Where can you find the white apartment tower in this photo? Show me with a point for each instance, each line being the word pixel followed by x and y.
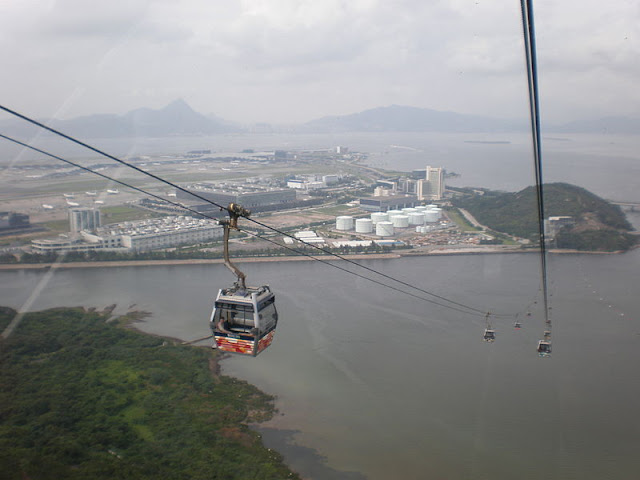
pixel 83 219
pixel 432 187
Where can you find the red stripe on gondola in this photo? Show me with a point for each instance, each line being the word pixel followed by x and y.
pixel 234 345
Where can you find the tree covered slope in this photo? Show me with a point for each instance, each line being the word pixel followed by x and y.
pixel 599 224
pixel 82 398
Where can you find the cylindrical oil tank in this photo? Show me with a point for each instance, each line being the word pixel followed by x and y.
pixel 364 225
pixel 421 208
pixel 394 212
pixel 379 217
pixel 409 210
pixel 384 229
pixel 431 206
pixel 438 211
pixel 344 222
pixel 431 216
pixel 399 221
pixel 416 218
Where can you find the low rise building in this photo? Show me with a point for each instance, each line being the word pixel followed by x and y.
pixel 253 198
pixel 553 225
pixel 388 202
pixel 142 235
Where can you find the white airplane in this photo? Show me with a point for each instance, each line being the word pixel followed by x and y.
pixel 98 202
pixel 73 204
pixel 113 191
pixel 91 194
pixel 69 195
pixel 47 206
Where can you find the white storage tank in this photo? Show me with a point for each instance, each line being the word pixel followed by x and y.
pixel 379 217
pixel 394 212
pixel 421 208
pixel 431 216
pixel 438 211
pixel 409 210
pixel 416 218
pixel 384 229
pixel 431 206
pixel 344 222
pixel 364 225
pixel 400 221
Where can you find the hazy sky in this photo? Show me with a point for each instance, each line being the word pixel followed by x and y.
pixel 283 61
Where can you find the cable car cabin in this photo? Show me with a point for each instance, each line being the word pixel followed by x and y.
pixel 544 348
pixel 244 319
pixel 489 335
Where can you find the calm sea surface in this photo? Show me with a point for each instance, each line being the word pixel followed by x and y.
pixel 379 385
pixel 375 384
pixel 608 165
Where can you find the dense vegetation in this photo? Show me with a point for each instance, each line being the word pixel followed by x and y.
pixel 599 224
pixel 596 240
pixel 82 398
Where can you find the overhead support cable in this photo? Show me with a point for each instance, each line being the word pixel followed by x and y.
pixel 469 310
pixel 529 36
pixel 221 207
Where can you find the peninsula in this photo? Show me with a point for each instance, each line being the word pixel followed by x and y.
pixel 86 397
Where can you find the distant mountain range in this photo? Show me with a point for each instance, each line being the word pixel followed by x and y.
pixel 397 118
pixel 178 118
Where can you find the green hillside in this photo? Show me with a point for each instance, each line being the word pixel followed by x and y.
pixel 82 398
pixel 599 225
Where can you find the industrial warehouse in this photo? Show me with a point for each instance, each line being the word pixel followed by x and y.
pixel 137 236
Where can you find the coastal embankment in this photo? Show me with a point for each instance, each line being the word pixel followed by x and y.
pixel 435 250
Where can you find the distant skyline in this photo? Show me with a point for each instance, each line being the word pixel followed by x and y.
pixel 291 61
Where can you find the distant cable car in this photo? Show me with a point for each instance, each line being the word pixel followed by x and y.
pixel 243 319
pixel 544 345
pixel 489 335
pixel 544 348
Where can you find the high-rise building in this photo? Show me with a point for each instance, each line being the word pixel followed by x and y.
pixel 80 219
pixel 432 187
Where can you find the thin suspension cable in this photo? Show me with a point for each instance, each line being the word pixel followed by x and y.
pixel 326 262
pixel 167 182
pixel 69 162
pixel 534 111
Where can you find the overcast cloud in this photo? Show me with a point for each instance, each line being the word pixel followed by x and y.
pixel 283 61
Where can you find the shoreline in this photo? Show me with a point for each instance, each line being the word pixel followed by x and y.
pixel 373 256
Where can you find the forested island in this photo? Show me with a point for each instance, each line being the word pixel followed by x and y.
pixel 83 396
pixel 595 224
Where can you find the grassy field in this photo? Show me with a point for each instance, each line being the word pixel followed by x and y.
pixel 462 223
pixel 334 210
pixel 124 214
